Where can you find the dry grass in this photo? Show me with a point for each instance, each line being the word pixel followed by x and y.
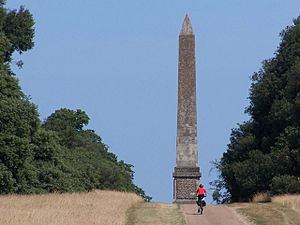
pixel 94 208
pixel 155 214
pixel 291 201
pixel 268 213
pixel 261 197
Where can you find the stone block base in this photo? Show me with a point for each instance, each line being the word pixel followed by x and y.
pixel 186 181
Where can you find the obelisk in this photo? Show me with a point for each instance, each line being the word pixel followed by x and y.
pixel 187 172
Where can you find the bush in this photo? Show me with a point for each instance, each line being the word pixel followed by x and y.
pixel 285 184
pixel 262 197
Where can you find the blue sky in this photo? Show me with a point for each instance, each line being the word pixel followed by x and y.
pixel 117 60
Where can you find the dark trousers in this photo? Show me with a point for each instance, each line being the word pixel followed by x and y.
pixel 200 201
pixel 200 197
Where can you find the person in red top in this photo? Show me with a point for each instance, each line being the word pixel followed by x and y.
pixel 201 193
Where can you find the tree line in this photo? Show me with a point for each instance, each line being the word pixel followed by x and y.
pixel 264 152
pixel 55 155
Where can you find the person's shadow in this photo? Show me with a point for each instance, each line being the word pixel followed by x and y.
pixel 194 214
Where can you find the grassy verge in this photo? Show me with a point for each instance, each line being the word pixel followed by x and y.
pixel 97 208
pixel 269 214
pixel 291 201
pixel 155 214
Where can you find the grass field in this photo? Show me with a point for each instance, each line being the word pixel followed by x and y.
pixel 94 208
pixel 155 214
pixel 291 201
pixel 282 210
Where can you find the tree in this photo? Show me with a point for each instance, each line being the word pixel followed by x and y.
pixel 18 116
pixel 17 31
pixel 265 150
pixel 58 155
pixel 68 124
pixel 90 163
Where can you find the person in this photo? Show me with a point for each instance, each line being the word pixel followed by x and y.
pixel 201 194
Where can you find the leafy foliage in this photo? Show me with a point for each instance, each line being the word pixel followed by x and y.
pixel 264 152
pixel 58 155
pixel 220 193
pixel 285 184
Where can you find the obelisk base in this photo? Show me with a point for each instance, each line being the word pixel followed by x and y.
pixel 185 184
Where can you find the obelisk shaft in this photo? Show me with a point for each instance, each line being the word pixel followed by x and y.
pixel 187 172
pixel 186 141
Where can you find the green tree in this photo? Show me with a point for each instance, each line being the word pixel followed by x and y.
pixel 265 150
pixel 285 184
pixel 90 164
pixel 58 155
pixel 18 116
pixel 68 124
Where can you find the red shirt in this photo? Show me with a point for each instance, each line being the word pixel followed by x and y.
pixel 201 191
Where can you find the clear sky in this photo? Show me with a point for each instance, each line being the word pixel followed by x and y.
pixel 117 60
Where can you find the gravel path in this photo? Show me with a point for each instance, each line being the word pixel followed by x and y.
pixel 212 215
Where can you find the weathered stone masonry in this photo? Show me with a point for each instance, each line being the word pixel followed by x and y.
pixel 187 172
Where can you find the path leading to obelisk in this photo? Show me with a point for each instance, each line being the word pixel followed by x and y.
pixel 213 215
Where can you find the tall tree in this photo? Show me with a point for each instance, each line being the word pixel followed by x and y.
pixel 265 151
pixel 18 116
pixel 58 155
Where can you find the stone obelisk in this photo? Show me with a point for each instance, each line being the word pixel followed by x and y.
pixel 187 172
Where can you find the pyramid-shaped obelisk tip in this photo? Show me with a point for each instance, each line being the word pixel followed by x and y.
pixel 187 27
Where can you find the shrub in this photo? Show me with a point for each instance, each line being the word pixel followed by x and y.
pixel 262 197
pixel 285 184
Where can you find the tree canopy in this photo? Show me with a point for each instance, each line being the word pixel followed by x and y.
pixel 59 154
pixel 264 153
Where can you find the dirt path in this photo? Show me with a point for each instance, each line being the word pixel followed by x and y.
pixel 213 215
